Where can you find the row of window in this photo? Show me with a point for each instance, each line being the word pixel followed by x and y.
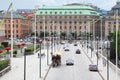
pixel 10 25
pixel 65 22
pixel 9 21
pixel 66 12
pixel 65 27
pixel 64 17
pixel 9 31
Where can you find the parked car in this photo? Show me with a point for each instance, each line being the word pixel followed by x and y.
pixel 78 51
pixel 93 67
pixel 75 44
pixel 69 62
pixel 66 49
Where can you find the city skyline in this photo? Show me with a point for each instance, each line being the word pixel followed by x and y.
pixel 26 4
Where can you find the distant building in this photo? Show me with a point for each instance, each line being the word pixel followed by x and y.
pixel 2 31
pixel 110 19
pixel 71 18
pixel 21 25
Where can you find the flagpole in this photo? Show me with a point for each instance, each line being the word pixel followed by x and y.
pixel 12 33
pixel 116 41
pixel 44 33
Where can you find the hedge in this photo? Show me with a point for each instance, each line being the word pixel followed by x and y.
pixel 4 64
pixel 5 44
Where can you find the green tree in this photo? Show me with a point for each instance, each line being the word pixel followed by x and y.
pixel 114 42
pixel 63 35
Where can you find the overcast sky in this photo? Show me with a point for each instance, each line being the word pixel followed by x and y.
pixel 30 4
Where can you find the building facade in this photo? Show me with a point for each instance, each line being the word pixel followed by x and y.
pixel 66 19
pixel 110 20
pixel 2 31
pixel 21 26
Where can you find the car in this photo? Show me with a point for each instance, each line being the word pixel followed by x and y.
pixel 66 49
pixel 78 51
pixel 75 44
pixel 69 62
pixel 93 67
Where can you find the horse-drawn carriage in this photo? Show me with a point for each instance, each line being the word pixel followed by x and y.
pixel 56 59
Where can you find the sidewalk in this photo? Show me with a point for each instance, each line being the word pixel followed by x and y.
pixel 102 65
pixel 32 68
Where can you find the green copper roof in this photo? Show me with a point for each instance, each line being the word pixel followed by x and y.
pixel 66 10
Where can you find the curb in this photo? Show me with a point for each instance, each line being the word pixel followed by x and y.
pixel 47 72
pixel 49 68
pixel 92 62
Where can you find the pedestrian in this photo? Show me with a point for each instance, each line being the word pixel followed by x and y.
pixel 38 55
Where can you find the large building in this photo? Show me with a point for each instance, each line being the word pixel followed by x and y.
pixel 67 19
pixel 21 25
pixel 110 19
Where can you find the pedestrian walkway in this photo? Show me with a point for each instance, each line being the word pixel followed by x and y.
pixel 32 68
pixel 102 65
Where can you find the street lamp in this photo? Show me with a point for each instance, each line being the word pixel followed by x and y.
pixel 8 54
pixel 97 50
pixel 40 42
pixel 108 47
pixel 47 51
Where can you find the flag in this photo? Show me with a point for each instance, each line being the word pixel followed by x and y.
pixel 10 7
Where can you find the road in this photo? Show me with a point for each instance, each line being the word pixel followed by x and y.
pixel 79 71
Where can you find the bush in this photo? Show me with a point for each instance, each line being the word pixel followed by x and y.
pixel 5 44
pixel 4 64
pixel 1 46
pixel 14 51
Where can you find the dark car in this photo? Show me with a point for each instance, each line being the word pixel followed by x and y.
pixel 66 49
pixel 93 67
pixel 75 44
pixel 78 51
pixel 69 62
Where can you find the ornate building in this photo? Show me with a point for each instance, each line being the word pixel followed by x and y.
pixel 67 19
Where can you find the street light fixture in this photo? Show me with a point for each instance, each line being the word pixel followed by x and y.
pixel 40 42
pixel 97 50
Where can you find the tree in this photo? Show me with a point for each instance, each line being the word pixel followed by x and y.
pixel 63 35
pixel 114 42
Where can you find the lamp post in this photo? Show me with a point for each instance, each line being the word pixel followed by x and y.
pixel 8 55
pixel 40 42
pixel 97 50
pixel 91 44
pixel 19 46
pixel 108 47
pixel 47 52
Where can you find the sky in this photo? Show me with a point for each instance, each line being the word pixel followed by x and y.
pixel 30 4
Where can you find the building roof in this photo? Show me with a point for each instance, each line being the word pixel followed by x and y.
pixel 66 10
pixel 117 6
pixel 15 15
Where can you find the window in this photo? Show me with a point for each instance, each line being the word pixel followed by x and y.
pixel 65 12
pixel 70 27
pixel 40 12
pixel 45 12
pixel 50 12
pixel 65 27
pixel 16 26
pixel 16 31
pixel 40 27
pixel 80 27
pixel 55 12
pixel 75 27
pixel 75 22
pixel 60 12
pixel 60 27
pixel 75 12
pixel 70 22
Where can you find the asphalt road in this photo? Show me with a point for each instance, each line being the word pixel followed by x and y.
pixel 79 71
